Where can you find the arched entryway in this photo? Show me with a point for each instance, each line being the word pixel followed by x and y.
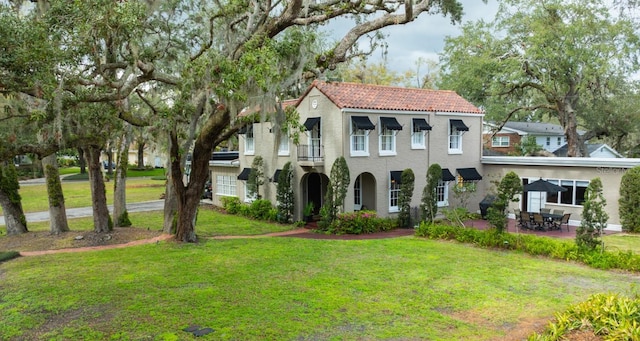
pixel 314 187
pixel 364 192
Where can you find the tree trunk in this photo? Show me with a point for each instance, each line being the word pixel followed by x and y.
pixel 110 161
pixel 81 161
pixel 120 216
pixel 170 203
pixel 14 217
pixel 101 219
pixel 57 213
pixel 140 154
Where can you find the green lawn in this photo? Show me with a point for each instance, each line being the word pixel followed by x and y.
pixel 210 223
pixel 291 289
pixel 78 193
pixel 622 242
pixel 73 173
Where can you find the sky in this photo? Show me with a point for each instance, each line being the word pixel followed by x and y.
pixel 423 37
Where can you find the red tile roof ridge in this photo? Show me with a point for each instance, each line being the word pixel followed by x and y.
pixel 383 97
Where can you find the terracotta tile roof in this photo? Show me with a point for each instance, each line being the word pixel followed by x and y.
pixel 376 97
pixel 256 108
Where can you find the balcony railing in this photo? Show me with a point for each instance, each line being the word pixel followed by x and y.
pixel 310 152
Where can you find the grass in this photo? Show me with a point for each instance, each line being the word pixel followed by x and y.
pixel 622 242
pixel 210 223
pixel 292 289
pixel 78 193
pixel 155 173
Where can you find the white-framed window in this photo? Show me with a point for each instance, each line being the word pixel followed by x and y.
pixel 359 141
pixel 574 195
pixel 500 141
pixel 418 139
pixel 442 193
pixel 249 143
pixel 548 143
pixel 247 195
pixel 357 194
pixel 283 146
pixel 559 143
pixel 226 185
pixel 455 140
pixel 387 141
pixel 394 194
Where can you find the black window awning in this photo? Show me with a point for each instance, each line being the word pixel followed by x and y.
pixel 362 122
pixel 458 125
pixel 390 123
pixel 396 176
pixel 311 122
pixel 276 175
pixel 446 175
pixel 244 175
pixel 469 174
pixel 420 124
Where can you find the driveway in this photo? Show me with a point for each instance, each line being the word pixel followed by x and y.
pixel 155 205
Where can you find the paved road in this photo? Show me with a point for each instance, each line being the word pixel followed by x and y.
pixel 80 212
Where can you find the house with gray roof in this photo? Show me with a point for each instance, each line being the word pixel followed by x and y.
pixel 548 136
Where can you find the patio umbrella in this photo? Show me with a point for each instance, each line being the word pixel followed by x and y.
pixel 543 186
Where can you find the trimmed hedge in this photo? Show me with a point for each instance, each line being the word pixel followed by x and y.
pixel 260 209
pixel 8 255
pixel 360 222
pixel 534 245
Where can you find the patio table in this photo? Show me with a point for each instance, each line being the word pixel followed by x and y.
pixel 550 218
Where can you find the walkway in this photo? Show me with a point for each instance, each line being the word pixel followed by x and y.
pixel 80 212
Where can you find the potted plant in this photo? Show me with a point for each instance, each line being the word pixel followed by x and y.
pixel 307 212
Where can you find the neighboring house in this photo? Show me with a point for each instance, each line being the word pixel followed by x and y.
pixel 598 150
pixel 380 131
pixel 549 137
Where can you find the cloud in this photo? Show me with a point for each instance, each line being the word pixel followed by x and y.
pixel 422 38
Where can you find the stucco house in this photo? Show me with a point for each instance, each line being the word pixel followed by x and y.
pixel 379 130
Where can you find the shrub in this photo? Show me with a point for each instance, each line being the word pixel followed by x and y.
pixel 594 217
pixel 429 204
pixel 286 202
pixel 261 209
pixel 534 245
pixel 231 204
pixel 610 316
pixel 8 255
pixel 404 198
pixel 629 201
pixel 360 222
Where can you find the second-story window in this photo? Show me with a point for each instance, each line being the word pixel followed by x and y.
pixel 388 128
pixel 283 147
pixel 419 128
pixel 249 143
pixel 500 141
pixel 360 127
pixel 456 129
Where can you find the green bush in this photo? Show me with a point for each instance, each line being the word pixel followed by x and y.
pixel 534 245
pixel 629 201
pixel 8 255
pixel 231 205
pixel 360 222
pixel 609 316
pixel 261 209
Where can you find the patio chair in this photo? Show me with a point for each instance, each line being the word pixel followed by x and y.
pixel 545 210
pixel 524 220
pixel 538 220
pixel 558 212
pixel 564 220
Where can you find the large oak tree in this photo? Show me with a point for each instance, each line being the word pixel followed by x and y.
pixel 207 60
pixel 557 60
